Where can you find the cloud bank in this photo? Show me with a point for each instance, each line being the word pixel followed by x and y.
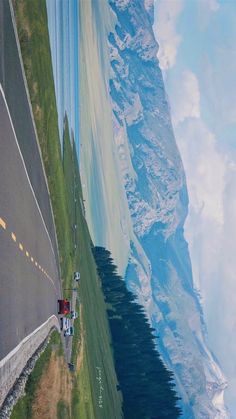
pixel 186 102
pixel 168 38
pixel 202 99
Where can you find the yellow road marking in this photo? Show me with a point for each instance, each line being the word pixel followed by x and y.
pixel 2 223
pixel 13 236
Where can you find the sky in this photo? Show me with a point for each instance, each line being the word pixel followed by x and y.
pixel 197 53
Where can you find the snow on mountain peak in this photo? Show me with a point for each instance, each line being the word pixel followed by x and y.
pixel 154 180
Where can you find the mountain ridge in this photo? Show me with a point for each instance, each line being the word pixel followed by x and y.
pixel 159 270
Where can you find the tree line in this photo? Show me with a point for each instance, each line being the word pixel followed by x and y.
pixel 146 384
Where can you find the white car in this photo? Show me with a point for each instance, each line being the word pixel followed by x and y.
pixel 73 314
pixel 69 331
pixel 65 323
pixel 76 276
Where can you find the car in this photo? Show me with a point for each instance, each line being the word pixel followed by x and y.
pixel 69 331
pixel 73 314
pixel 63 306
pixel 71 366
pixel 65 323
pixel 76 276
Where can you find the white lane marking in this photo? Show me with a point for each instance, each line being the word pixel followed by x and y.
pixel 2 223
pixel 31 111
pixel 36 134
pixel 14 134
pixel 10 354
pixel 13 236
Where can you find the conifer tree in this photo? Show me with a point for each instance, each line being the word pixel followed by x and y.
pixel 147 385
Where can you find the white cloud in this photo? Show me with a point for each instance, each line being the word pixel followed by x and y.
pixel 210 230
pixel 186 101
pixel 204 165
pixel 166 16
pixel 205 11
pixel 214 5
pixel 205 171
pixel 205 142
pixel 222 310
pixel 218 82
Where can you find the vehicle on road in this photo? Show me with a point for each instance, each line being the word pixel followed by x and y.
pixel 76 276
pixel 69 331
pixel 73 314
pixel 71 366
pixel 65 323
pixel 63 306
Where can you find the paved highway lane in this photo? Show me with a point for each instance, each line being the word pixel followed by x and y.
pixel 29 277
pixel 14 85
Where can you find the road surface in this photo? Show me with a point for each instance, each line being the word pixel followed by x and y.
pixel 29 275
pixel 29 271
pixel 13 82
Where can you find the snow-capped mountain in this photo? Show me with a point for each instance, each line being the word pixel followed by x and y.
pixel 159 269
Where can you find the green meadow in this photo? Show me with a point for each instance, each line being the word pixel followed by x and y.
pixel 94 392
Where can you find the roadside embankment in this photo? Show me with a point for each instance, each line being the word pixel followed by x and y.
pixel 14 363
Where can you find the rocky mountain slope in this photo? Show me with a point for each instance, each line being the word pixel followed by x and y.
pixel 159 269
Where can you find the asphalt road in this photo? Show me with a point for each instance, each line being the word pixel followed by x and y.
pixel 13 83
pixel 29 278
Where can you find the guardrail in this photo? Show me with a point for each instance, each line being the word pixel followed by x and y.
pixel 14 363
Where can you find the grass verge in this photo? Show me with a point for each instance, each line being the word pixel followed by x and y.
pixel 95 392
pixel 31 17
pixel 23 408
pixel 62 410
pixel 97 382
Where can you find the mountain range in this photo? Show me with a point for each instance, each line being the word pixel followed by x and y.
pixel 159 269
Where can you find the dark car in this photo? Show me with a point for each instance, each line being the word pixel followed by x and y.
pixel 71 366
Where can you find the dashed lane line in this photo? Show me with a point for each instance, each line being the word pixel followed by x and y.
pixel 13 236
pixel 3 224
pixel 23 163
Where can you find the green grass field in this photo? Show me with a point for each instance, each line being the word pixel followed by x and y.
pixel 98 396
pixel 95 393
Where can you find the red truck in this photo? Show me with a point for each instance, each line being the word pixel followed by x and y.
pixel 63 306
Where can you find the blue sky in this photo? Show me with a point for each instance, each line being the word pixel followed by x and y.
pixel 197 54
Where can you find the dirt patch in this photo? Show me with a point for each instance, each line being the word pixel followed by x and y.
pixel 57 382
pixel 55 385
pixel 81 343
